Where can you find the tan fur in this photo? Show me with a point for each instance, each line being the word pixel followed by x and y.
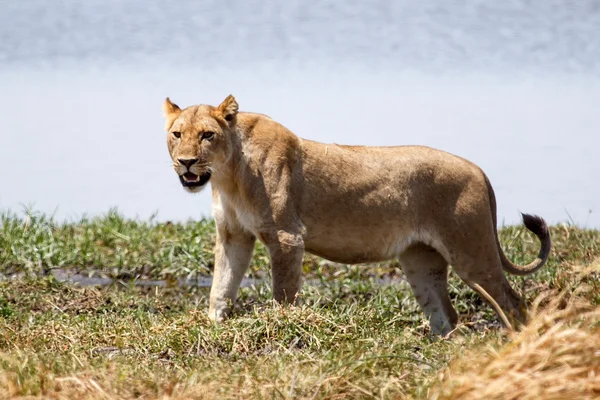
pixel 349 204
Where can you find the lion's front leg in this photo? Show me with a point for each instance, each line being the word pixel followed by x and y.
pixel 286 250
pixel 233 252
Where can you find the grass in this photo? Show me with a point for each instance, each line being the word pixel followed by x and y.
pixel 555 357
pixel 351 338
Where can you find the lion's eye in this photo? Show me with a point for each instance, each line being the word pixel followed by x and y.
pixel 208 135
pixel 176 134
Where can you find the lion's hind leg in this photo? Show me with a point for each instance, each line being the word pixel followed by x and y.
pixel 483 268
pixel 427 272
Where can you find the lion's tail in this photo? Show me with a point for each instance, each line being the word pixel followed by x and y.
pixel 535 224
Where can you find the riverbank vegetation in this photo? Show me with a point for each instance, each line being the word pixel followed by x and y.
pixel 358 333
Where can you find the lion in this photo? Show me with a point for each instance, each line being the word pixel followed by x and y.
pixel 348 204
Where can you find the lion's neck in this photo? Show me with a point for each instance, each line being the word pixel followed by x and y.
pixel 227 170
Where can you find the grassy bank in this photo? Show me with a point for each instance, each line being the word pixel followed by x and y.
pixel 352 337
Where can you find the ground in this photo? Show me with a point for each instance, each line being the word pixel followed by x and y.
pixel 358 334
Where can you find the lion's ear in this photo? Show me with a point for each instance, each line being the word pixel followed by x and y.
pixel 228 109
pixel 172 111
pixel 170 108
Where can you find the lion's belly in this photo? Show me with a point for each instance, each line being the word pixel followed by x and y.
pixel 350 245
pixel 343 257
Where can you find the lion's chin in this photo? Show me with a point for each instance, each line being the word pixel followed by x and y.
pixel 194 183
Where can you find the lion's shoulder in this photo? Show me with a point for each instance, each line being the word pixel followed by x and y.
pixel 262 130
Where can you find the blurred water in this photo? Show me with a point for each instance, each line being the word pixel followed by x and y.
pixel 512 85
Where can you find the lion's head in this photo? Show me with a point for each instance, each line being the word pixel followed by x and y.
pixel 198 140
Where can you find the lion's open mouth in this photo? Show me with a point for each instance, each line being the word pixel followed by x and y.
pixel 192 180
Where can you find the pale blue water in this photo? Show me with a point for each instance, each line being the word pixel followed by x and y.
pixel 513 86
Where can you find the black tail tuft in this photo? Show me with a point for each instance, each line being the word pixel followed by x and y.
pixel 536 224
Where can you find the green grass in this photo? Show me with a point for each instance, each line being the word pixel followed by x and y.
pixel 351 338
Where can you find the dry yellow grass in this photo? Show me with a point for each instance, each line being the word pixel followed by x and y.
pixel 556 356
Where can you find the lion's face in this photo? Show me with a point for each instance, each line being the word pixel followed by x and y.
pixel 198 139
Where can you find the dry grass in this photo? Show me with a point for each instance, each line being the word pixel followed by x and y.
pixel 556 356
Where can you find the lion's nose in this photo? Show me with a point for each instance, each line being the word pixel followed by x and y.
pixel 188 162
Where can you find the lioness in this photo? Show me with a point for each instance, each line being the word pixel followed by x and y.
pixel 349 204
